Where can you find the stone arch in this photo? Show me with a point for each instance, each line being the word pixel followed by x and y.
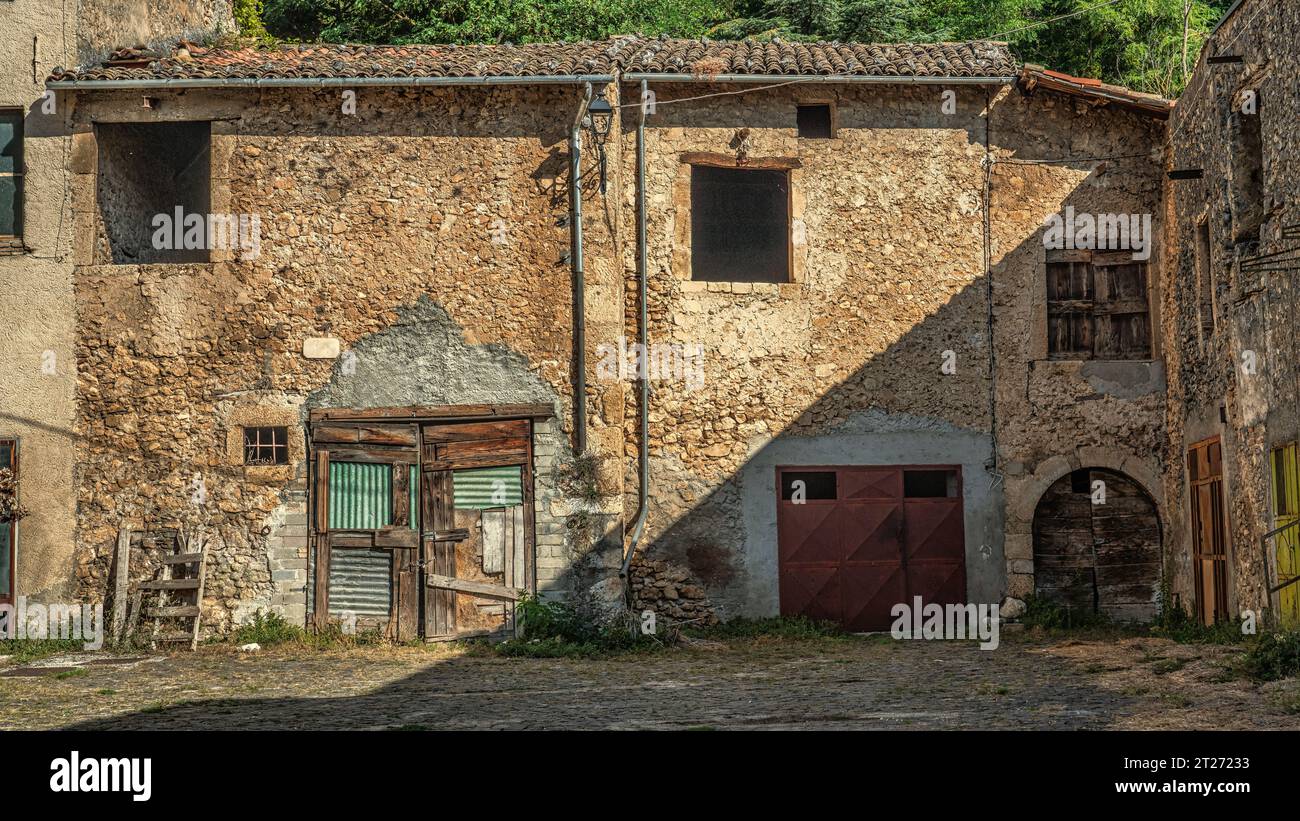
pixel 1023 491
pixel 1097 545
pixel 1032 488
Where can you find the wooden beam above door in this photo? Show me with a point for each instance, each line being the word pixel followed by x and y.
pixel 434 413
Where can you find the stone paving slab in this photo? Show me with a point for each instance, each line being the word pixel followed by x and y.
pixel 854 683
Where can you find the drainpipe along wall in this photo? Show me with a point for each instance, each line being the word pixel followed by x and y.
pixel 579 279
pixel 643 324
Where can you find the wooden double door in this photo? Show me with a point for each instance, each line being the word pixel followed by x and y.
pixel 420 528
pixel 854 541
pixel 1097 546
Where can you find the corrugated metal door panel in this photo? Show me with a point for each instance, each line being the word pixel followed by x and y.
pixel 360 496
pixel 482 488
pixel 361 582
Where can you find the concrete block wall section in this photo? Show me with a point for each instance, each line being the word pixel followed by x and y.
pixel 553 580
pixel 287 553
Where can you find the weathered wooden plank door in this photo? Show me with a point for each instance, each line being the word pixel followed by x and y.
pixel 476 545
pixel 438 551
pixel 1286 510
pixel 1097 546
pixel 1209 530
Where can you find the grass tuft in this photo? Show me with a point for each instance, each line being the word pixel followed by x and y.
pixel 23 651
pixel 781 627
pixel 269 629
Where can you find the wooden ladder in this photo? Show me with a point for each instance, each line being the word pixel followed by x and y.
pixel 182 575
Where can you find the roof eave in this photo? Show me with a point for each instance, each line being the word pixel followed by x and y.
pixel 160 83
pixel 1032 77
pixel 816 78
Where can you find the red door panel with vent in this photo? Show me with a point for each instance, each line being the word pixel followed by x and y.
pixel 855 541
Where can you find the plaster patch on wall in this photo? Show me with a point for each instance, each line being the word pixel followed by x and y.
pixel 423 358
pixel 1124 380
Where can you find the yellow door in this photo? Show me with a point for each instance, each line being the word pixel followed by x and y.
pixel 1286 508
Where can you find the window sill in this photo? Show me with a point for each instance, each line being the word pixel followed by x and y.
pixel 12 247
pixel 695 286
pixel 1118 378
pixel 269 473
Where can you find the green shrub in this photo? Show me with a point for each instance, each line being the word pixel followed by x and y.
pixel 268 629
pixel 248 14
pixel 557 629
pixel 1273 656
pixel 1174 623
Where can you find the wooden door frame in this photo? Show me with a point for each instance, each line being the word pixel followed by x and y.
pixel 12 595
pixel 1225 529
pixel 405 560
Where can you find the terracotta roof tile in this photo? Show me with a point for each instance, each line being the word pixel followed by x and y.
pixel 1033 76
pixel 618 54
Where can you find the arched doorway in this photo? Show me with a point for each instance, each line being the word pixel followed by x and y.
pixel 1097 545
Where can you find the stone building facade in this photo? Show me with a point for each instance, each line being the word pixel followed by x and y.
pixel 871 374
pixel 1230 305
pixel 896 259
pixel 37 352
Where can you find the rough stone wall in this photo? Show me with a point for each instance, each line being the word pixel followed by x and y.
pixel 1054 416
pixel 37 364
pixel 424 233
pixel 670 591
pixel 878 295
pixel 843 364
pixel 1253 312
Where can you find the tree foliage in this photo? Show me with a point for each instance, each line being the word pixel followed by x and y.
pixel 1145 44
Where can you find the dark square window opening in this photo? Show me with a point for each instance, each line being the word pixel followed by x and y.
pixel 815 484
pixel 930 484
pixel 149 175
pixel 266 446
pixel 814 121
pixel 740 224
pixel 1081 481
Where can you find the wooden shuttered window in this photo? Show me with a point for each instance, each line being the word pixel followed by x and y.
pixel 1097 306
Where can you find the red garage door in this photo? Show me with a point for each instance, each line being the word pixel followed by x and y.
pixel 855 541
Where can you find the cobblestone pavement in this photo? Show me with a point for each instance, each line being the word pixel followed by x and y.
pixel 854 683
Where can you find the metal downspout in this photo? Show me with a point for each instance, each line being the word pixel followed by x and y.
pixel 643 331
pixel 579 280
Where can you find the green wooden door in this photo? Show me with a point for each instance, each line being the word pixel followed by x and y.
pixel 1286 509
